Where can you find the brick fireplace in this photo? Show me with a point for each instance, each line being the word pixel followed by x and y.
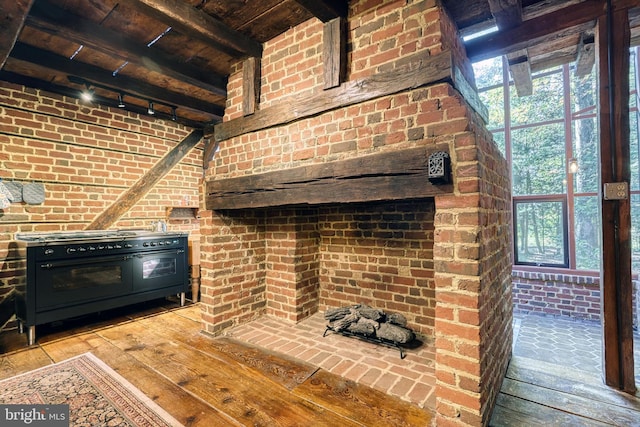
pixel 331 206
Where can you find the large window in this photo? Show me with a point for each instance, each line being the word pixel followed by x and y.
pixel 555 209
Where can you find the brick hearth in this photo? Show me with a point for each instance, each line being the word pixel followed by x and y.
pixel 411 379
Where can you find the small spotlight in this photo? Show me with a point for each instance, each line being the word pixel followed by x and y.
pixel 151 111
pixel 120 101
pixel 87 94
pixel 174 116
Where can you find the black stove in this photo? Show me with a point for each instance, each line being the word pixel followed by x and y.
pixel 68 274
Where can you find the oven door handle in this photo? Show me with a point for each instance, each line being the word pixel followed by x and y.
pixel 96 260
pixel 147 254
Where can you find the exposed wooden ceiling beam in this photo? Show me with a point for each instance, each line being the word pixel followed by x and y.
pixel 196 24
pixel 12 18
pixel 508 14
pixel 34 83
pixel 95 74
pixel 325 10
pixel 532 31
pixel 50 18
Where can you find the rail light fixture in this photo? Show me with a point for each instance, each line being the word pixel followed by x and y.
pixel 88 95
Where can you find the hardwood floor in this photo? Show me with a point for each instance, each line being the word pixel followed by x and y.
pixel 205 381
pixel 555 378
pixel 536 393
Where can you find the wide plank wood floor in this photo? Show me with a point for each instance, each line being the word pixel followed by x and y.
pixel 206 381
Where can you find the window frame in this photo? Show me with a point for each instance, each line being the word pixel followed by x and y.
pixel 565 229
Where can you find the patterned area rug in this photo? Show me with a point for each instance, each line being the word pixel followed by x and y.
pixel 95 393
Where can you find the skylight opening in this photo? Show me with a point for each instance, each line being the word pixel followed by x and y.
pixel 480 33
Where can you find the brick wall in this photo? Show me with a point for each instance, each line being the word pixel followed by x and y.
pixel 562 295
pixel 380 254
pixel 443 262
pixel 472 278
pixel 86 157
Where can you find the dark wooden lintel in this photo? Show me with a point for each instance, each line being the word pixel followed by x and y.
pixel 389 175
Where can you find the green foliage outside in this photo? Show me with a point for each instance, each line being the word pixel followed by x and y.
pixel 540 146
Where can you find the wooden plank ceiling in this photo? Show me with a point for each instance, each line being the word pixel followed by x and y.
pixel 178 53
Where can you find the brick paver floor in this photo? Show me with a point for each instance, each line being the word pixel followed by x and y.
pixel 571 343
pixel 411 379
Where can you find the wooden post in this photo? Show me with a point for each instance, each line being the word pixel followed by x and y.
pixel 250 85
pixel 334 52
pixel 613 38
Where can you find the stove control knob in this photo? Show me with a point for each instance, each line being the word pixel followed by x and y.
pixel 160 243
pixel 92 248
pixel 118 246
pixel 100 247
pixel 168 242
pixel 48 251
pixel 153 243
pixel 82 249
pixel 71 250
pixel 128 245
pixel 145 244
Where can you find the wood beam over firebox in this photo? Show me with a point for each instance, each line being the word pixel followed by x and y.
pixel 392 175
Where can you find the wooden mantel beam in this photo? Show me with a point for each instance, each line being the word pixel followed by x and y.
pixel 389 175
pixel 12 18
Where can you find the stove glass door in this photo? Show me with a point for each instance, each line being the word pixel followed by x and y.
pixel 61 283
pixel 156 270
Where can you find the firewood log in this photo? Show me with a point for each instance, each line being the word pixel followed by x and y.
pixel 347 320
pixel 397 319
pixel 363 327
pixel 336 313
pixel 370 312
pixel 395 333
